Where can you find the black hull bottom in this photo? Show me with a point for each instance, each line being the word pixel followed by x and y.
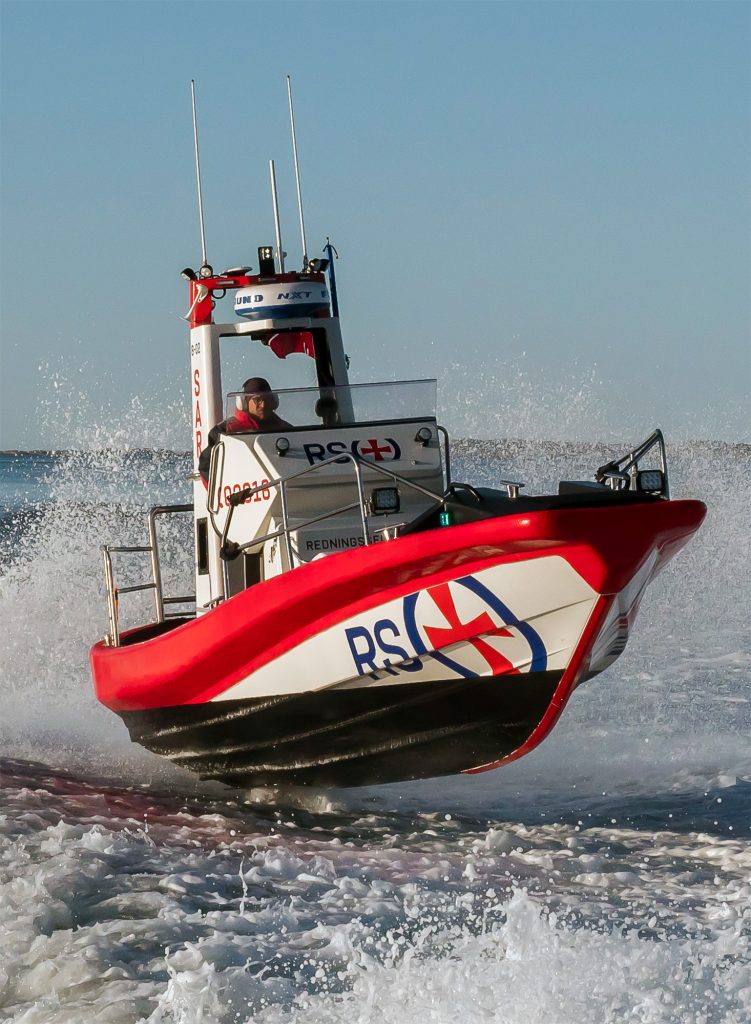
pixel 349 737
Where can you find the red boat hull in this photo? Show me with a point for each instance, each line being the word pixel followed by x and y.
pixel 497 622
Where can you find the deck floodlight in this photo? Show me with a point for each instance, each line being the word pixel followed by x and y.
pixel 423 435
pixel 652 481
pixel 384 500
pixel 282 446
pixel 206 270
pixel 188 274
pixel 266 263
pixel 317 266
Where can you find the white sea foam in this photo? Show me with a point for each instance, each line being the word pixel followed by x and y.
pixel 127 905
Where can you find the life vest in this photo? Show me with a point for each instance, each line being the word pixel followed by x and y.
pixel 242 420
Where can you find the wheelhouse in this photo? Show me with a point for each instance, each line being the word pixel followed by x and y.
pixel 340 465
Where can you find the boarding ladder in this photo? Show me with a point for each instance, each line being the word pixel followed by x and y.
pixel 112 639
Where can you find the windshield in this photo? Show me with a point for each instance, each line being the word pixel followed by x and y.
pixel 350 405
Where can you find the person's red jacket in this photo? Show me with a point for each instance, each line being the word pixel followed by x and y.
pixel 241 422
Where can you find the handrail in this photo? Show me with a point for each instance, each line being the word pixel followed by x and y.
pixel 231 550
pixel 623 471
pixel 112 639
pixel 212 500
pixel 156 572
pixel 446 455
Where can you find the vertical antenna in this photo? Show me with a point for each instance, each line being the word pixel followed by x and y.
pixel 297 175
pixel 198 174
pixel 331 252
pixel 277 226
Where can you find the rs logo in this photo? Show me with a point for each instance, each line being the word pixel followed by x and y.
pixel 379 450
pixel 463 617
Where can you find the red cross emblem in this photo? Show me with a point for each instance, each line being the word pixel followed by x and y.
pixel 456 631
pixel 376 450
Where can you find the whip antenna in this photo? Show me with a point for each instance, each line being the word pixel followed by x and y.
pixel 198 175
pixel 297 175
pixel 277 226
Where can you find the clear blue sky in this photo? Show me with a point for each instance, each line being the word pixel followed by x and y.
pixel 546 204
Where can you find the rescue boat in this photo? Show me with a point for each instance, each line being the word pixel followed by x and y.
pixel 359 615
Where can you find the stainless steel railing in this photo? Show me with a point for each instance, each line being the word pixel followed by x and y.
pixel 154 583
pixel 357 462
pixel 230 550
pixel 621 474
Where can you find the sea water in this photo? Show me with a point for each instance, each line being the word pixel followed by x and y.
pixel 605 877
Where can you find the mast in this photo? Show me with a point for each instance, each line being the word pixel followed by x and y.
pixel 277 225
pixel 297 175
pixel 198 176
